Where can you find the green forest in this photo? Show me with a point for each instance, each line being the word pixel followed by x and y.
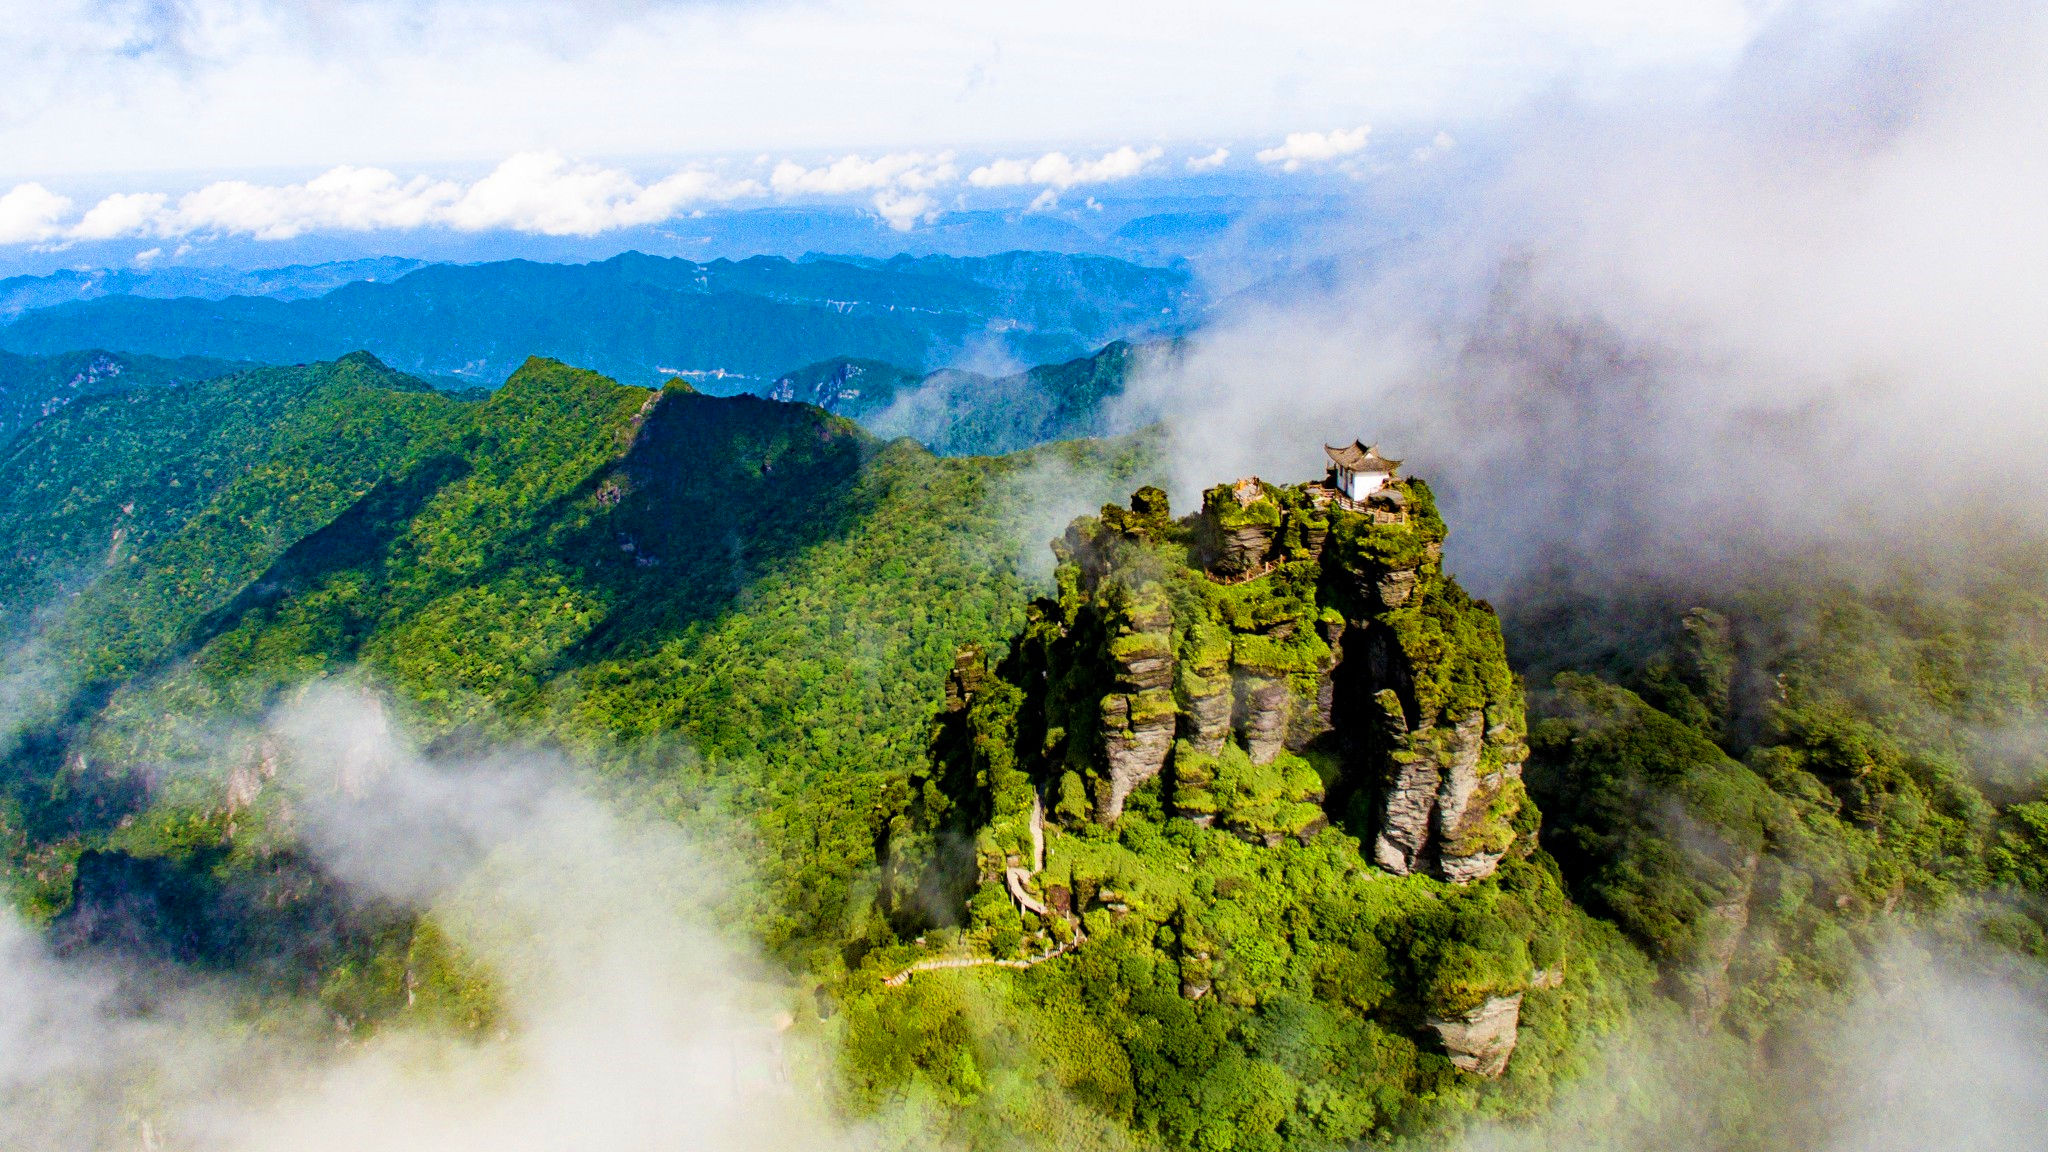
pixel 1244 827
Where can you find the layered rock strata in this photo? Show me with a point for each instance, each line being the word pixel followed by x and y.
pixel 1139 720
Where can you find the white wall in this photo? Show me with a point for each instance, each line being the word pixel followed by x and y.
pixel 1359 485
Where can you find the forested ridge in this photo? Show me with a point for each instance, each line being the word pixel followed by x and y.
pixel 835 653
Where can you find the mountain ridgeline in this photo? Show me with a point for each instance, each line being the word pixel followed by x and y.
pixel 960 413
pixel 32 387
pixel 1241 833
pixel 20 294
pixel 724 326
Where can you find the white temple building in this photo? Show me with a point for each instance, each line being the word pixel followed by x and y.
pixel 1359 470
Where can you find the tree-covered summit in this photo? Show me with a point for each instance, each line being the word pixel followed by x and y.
pixel 1258 762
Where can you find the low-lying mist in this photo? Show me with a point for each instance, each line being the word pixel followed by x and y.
pixel 1940 1049
pixel 1697 320
pixel 629 1016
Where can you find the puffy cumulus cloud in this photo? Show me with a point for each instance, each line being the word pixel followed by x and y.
pixel 1058 172
pixel 1209 162
pixel 901 183
pixel 546 193
pixel 1303 148
pixel 122 214
pixel 344 198
pixel 903 210
pixel 541 192
pixel 30 213
pixel 910 171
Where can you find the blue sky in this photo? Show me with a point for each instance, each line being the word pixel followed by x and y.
pixel 160 121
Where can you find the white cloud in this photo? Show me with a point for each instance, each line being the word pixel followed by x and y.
pixel 1302 148
pixel 904 209
pixel 354 199
pixel 541 192
pixel 213 85
pixel 1725 315
pixel 908 170
pixel 30 213
pixel 546 193
pixel 1055 170
pixel 122 214
pixel 1209 163
pixel 902 182
pixel 633 1016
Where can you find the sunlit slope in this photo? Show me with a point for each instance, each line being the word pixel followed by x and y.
pixel 99 490
pixel 32 387
pixel 757 596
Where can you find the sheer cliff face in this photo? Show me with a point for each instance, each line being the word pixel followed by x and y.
pixel 1274 652
pixel 1153 768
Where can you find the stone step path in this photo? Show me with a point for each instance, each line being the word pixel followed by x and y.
pixel 941 963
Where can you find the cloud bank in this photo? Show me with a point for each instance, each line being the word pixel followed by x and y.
pixel 542 193
pixel 1682 328
pixel 123 86
pixel 537 192
pixel 633 1021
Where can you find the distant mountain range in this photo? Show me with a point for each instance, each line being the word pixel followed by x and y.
pixel 724 326
pixel 20 294
pixel 960 413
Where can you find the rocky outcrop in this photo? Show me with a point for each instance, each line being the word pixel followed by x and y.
pixel 1262 717
pixel 1410 801
pixel 1705 987
pixel 1206 697
pixel 1444 805
pixel 1138 722
pixel 1208 716
pixel 1472 836
pixel 1318 714
pixel 1392 589
pixel 1480 1041
pixel 1245 523
pixel 1269 647
pixel 247 778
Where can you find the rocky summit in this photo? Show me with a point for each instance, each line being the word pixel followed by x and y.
pixel 1287 669
pixel 1284 655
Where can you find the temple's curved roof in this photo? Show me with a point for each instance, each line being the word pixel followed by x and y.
pixel 1361 457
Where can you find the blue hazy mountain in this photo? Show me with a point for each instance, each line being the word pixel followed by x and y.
pixel 20 294
pixel 725 326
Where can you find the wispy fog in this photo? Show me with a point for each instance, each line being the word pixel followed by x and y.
pixel 1803 305
pixel 631 1018
pixel 1936 1052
